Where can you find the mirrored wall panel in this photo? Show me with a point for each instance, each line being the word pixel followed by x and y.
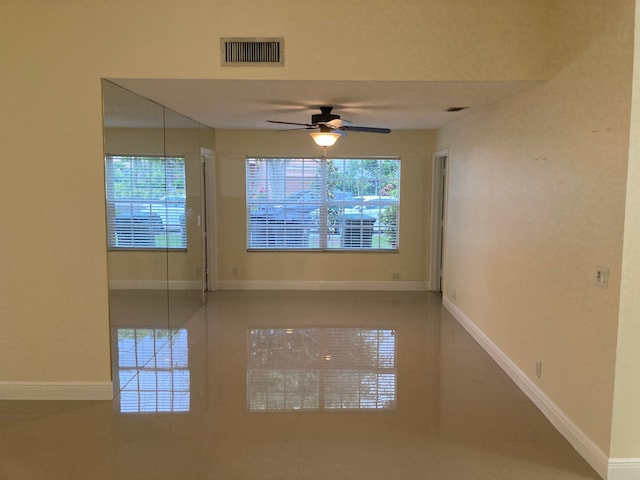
pixel 154 199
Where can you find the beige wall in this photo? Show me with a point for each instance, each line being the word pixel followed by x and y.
pixel 235 264
pixel 536 202
pixel 626 414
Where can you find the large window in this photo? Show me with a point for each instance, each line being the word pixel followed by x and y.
pixel 323 204
pixel 146 199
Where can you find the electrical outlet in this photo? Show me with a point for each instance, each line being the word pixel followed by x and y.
pixel 602 277
pixel 396 276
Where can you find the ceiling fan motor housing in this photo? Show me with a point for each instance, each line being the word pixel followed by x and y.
pixel 324 117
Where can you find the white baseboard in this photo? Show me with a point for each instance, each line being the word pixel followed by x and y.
pixel 578 439
pixel 155 285
pixel 624 469
pixel 56 391
pixel 320 285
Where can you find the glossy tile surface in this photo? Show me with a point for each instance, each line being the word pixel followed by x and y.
pixel 290 385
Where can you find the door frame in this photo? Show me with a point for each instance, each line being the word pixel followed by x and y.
pixel 210 222
pixel 439 184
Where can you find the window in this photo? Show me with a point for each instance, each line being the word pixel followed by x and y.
pixel 146 200
pixel 323 204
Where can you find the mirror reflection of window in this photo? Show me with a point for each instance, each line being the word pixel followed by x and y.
pixel 153 369
pixel 291 369
pixel 146 202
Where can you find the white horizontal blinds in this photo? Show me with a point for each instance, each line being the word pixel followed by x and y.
pixel 146 200
pixel 342 204
pixel 284 197
pixel 363 203
pixel 321 368
pixel 153 370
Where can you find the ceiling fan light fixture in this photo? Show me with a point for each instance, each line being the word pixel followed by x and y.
pixel 325 139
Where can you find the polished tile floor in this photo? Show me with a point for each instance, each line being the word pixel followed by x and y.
pixel 290 385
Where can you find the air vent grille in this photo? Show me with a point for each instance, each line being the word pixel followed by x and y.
pixel 252 51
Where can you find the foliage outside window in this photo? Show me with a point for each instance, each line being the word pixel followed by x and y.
pixel 323 204
pixel 146 200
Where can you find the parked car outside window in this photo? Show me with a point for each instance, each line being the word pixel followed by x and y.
pixel 171 210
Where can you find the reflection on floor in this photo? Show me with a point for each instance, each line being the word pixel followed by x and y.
pixel 290 385
pixel 336 368
pixel 153 370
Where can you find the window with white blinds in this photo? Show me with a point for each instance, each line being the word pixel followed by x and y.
pixel 291 369
pixel 146 202
pixel 322 204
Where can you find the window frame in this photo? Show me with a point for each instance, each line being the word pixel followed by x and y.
pixel 364 231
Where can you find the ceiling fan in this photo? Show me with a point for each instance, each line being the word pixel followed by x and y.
pixel 330 127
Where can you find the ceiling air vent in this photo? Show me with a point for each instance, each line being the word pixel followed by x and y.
pixel 252 52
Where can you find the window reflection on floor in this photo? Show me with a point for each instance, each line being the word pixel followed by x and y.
pixel 293 369
pixel 153 369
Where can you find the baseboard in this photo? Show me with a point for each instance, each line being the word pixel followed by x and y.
pixel 574 435
pixel 56 391
pixel 320 285
pixel 624 469
pixel 155 285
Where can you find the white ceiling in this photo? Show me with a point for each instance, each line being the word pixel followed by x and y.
pixel 247 104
